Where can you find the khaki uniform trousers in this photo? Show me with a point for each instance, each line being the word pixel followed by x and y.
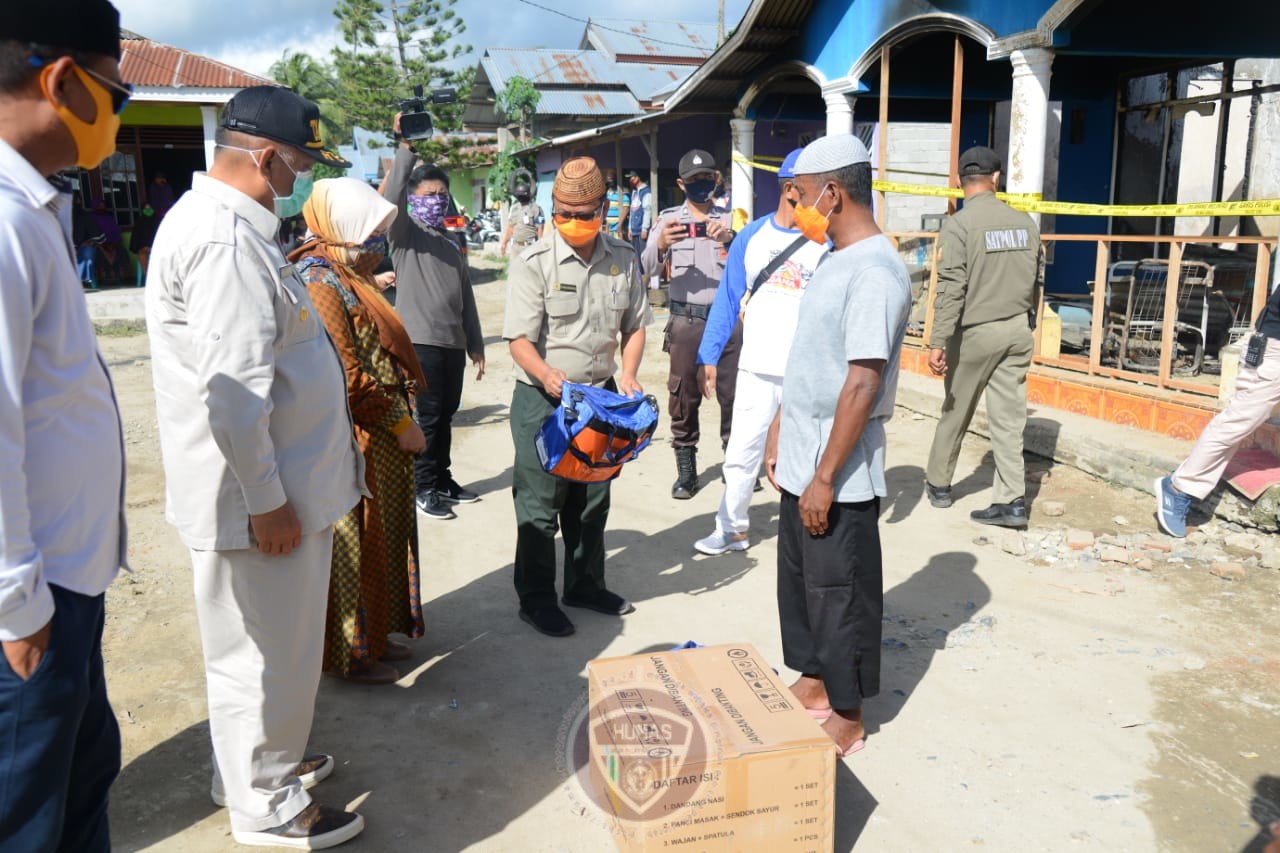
pixel 992 357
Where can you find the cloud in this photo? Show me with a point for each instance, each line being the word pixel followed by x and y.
pixel 252 35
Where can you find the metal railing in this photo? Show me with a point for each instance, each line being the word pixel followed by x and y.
pixel 1139 328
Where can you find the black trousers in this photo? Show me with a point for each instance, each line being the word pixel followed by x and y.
pixel 444 370
pixel 681 339
pixel 831 598
pixel 544 504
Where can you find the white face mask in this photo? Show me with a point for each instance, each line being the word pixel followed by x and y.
pixel 286 206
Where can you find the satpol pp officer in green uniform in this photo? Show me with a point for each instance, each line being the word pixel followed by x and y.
pixel 990 265
pixel 573 300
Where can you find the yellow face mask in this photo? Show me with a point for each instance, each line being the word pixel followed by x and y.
pixel 95 141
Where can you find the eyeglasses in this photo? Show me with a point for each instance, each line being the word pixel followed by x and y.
pixel 565 216
pixel 120 92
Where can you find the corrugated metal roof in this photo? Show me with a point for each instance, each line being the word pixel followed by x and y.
pixel 550 67
pixel 144 62
pixel 645 80
pixel 767 26
pixel 592 102
pixel 670 39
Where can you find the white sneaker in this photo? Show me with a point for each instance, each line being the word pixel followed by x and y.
pixel 722 543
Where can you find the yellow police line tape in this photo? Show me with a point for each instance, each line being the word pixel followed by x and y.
pixel 1033 203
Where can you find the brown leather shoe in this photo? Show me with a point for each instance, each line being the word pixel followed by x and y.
pixel 396 651
pixel 316 827
pixel 377 673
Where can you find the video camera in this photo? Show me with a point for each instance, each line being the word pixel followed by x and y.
pixel 415 121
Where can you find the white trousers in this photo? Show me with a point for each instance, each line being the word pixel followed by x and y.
pixel 1257 394
pixel 755 401
pixel 262 629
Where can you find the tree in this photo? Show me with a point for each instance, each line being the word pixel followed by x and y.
pixel 519 101
pixel 315 80
pixel 504 167
pixel 387 49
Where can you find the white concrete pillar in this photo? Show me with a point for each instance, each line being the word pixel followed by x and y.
pixel 744 148
pixel 1028 120
pixel 209 118
pixel 840 103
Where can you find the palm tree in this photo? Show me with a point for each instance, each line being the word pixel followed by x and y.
pixel 316 81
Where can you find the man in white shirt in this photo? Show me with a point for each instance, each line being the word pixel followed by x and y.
pixel 765 275
pixel 62 533
pixel 259 458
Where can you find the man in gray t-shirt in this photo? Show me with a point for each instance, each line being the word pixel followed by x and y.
pixel 826 447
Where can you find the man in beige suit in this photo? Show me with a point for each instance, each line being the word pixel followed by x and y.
pixel 260 460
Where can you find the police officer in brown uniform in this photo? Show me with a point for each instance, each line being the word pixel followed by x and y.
pixel 692 241
pixel 576 308
pixel 524 218
pixel 989 266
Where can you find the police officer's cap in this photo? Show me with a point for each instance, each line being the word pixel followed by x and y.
pixel 696 162
pixel 979 160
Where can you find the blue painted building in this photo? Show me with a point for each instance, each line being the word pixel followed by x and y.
pixel 1088 100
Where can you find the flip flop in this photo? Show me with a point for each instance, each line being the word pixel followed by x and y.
pixel 820 714
pixel 856 746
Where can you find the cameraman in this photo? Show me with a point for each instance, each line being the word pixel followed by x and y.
pixel 436 303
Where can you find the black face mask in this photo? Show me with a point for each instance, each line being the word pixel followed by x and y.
pixel 611 184
pixel 523 198
pixel 699 192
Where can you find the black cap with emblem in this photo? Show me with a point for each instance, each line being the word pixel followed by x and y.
pixel 281 115
pixel 696 162
pixel 979 161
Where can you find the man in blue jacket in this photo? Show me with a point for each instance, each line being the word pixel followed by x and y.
pixel 768 268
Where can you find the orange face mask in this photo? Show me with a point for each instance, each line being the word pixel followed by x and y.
pixel 810 222
pixel 578 233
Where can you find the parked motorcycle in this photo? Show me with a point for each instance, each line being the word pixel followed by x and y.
pixel 486 226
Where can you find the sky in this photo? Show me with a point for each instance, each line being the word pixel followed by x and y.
pixel 251 34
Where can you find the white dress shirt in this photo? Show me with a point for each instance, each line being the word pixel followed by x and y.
pixel 250 392
pixel 61 442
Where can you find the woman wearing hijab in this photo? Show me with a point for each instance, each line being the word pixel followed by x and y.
pixel 374 585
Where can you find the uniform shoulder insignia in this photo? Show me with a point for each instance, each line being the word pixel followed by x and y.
pixel 670 210
pixel 619 245
pixel 223 227
pixel 531 252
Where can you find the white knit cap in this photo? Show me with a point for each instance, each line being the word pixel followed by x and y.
pixel 831 153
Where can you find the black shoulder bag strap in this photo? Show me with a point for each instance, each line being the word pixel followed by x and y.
pixel 772 267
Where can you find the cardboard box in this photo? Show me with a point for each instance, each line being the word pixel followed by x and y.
pixel 706 749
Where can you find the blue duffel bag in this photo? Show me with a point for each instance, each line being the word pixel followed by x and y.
pixel 593 432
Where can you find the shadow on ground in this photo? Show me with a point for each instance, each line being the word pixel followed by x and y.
pixel 149 804
pixel 1265 809
pixel 474 736
pixel 937 604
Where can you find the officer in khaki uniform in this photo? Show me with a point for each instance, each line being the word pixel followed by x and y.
pixel 692 240
pixel 990 264
pixel 573 300
pixel 524 218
